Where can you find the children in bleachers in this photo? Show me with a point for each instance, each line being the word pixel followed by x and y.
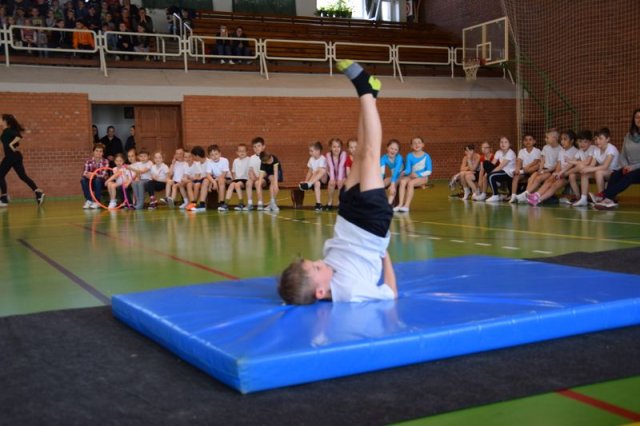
pixel 527 163
pixel 352 145
pixel 317 172
pixel 176 172
pixel 479 191
pixel 468 169
pixel 602 164
pixel 505 164
pixel 580 161
pixel 558 178
pixel 548 162
pixel 393 160
pixel 417 170
pixel 121 178
pixel 337 171
pixel 272 170
pixel 194 176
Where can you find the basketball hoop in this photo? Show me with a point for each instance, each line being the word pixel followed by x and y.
pixel 471 67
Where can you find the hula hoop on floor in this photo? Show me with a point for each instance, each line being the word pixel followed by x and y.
pixel 124 191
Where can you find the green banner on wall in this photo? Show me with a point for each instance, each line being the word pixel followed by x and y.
pixel 268 7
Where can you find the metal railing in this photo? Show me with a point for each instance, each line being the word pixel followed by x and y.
pixel 199 48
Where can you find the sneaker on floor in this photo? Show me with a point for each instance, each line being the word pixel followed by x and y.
pixel 183 205
pixel 595 198
pixel 481 197
pixel 466 194
pixel 606 204
pixel 3 204
pixel 223 207
pixel 566 200
pixel 582 202
pixel 113 204
pixel 260 207
pixel 40 197
pixel 95 205
pixel 274 207
pixel 494 199
pixel 397 209
pixel 513 199
pixel 231 62
pixel 170 202
pixel 239 207
pixel 249 207
pixel 163 201
pixel 87 205
pixel 304 186
pixel 522 197
pixel 318 207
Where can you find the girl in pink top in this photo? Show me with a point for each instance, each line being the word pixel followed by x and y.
pixel 337 170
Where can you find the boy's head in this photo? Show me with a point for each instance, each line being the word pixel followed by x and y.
pixel 417 144
pixel 179 154
pixel 98 150
pixel 131 155
pixel 242 150
pixel 158 158
pixel 469 149
pixel 143 156
pixel 266 157
pixel 393 146
pixel 119 159
pixel 214 152
pixel 528 141
pixel 315 150
pixel 258 145
pixel 352 145
pixel 188 157
pixel 568 139
pixel 552 137
pixel 602 137
pixel 304 282
pixel 198 152
pixel 335 145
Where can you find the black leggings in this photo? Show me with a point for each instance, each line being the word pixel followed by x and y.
pixel 14 161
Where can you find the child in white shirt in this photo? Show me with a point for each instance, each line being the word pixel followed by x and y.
pixel 176 172
pixel 316 174
pixel 240 175
pixel 158 182
pixel 142 170
pixel 216 172
pixel 603 163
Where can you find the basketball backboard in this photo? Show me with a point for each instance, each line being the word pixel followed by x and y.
pixel 487 42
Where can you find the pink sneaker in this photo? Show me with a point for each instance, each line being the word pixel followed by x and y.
pixel 533 199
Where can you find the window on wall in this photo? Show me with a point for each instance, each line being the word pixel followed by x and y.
pixel 383 10
pixel 357 7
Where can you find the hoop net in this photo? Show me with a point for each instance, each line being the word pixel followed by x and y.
pixel 471 67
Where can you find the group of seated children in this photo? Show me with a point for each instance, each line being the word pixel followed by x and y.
pixel 534 176
pixel 333 168
pixel 192 174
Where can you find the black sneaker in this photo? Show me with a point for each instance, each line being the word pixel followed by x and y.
pixel 40 197
pixel 304 186
pixel 318 207
pixel 223 207
pixel 328 207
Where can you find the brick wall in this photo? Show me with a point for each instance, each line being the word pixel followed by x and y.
pixel 454 15
pixel 60 128
pixel 55 143
pixel 289 125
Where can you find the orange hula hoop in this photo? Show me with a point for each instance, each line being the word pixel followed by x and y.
pixel 94 196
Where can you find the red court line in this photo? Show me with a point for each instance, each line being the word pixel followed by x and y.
pixel 158 252
pixel 613 409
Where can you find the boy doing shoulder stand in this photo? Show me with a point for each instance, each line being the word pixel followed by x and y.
pixel 357 254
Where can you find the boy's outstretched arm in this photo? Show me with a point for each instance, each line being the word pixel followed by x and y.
pixel 389 274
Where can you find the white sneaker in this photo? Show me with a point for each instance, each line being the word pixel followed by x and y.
pixel 493 199
pixel 3 204
pixel 522 197
pixel 397 209
pixel 231 62
pixel 582 202
pixel 87 205
pixel 513 199
pixel 481 197
pixel 183 205
pixel 260 207
pixel 274 207
pixel 112 204
pixel 404 209
pixel 465 196
pixel 95 205
pixel 222 61
pixel 595 198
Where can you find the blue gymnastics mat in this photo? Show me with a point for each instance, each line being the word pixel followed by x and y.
pixel 240 333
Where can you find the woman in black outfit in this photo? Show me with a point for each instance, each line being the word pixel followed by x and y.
pixel 11 136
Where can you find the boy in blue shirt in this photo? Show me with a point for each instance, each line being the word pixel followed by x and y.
pixel 357 254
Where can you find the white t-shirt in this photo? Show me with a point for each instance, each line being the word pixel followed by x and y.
pixel 241 168
pixel 567 155
pixel 355 256
pixel 254 164
pixel 178 170
pixel 602 156
pixel 529 157
pixel 510 157
pixel 216 168
pixel 550 155
pixel 159 172
pixel 583 155
pixel 126 175
pixel 139 165
pixel 315 163
pixel 193 171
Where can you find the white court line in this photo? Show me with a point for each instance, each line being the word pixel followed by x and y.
pixel 434 238
pixel 510 248
pixel 542 251
pixel 483 244
pixel 600 221
pixel 457 241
